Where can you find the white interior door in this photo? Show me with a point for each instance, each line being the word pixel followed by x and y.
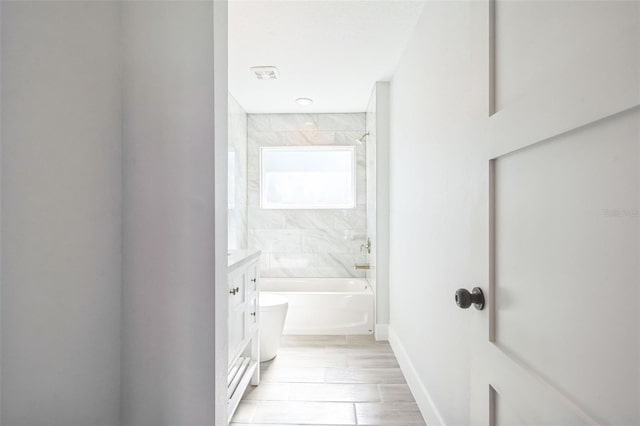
pixel 558 343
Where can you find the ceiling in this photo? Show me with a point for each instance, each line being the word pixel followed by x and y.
pixel 330 51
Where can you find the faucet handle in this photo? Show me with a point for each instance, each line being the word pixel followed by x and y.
pixel 366 246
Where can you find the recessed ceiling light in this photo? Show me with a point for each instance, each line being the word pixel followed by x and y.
pixel 304 101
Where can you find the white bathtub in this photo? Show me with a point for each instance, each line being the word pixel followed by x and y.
pixel 333 306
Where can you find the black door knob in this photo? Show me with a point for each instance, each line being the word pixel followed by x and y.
pixel 464 299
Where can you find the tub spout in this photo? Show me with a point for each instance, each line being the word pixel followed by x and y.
pixel 361 266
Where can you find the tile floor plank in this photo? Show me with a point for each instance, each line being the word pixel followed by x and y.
pixel 292 374
pixel 358 349
pixel 330 392
pixel 313 359
pixel 267 392
pixel 364 375
pixel 296 412
pixel 330 380
pixel 261 424
pixel 392 413
pixel 311 341
pixel 244 412
pixel 371 361
pixel 395 393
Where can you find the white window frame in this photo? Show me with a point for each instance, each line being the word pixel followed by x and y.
pixel 352 149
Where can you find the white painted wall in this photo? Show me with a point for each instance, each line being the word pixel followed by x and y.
pixel 61 201
pixel 168 348
pixel 431 202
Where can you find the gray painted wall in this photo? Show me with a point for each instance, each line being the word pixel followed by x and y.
pixel 168 348
pixel 108 201
pixel 61 202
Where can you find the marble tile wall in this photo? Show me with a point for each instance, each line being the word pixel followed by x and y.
pixel 306 243
pixel 237 142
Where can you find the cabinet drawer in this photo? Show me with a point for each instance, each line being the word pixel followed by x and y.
pixel 236 288
pixel 253 276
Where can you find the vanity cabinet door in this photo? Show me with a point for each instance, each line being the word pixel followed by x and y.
pixel 237 330
pixel 253 276
pixel 237 288
pixel 252 315
pixel 243 338
pixel 237 311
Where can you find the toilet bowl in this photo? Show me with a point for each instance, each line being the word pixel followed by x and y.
pixel 273 311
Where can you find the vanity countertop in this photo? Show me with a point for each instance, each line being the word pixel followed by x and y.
pixel 238 257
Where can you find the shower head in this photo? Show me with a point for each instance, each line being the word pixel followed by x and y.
pixel 363 138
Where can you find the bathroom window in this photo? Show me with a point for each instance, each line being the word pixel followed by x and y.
pixel 308 177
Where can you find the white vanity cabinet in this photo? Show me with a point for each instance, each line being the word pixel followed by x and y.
pixel 244 317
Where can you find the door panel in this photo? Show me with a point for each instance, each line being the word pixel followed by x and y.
pixel 505 414
pixel 518 396
pixel 529 34
pixel 566 264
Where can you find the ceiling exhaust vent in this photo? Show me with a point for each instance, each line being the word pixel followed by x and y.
pixel 265 73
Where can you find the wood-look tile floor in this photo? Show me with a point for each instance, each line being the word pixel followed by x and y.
pixel 330 380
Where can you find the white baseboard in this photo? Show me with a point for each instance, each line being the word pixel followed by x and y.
pixel 382 332
pixel 428 409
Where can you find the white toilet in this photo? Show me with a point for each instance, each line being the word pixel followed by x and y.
pixel 273 311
